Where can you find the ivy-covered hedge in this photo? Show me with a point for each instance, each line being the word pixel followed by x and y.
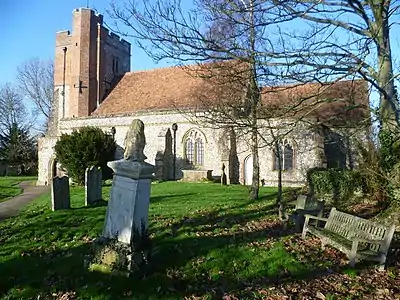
pixel 342 183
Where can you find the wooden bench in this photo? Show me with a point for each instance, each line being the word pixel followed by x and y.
pixel 358 238
pixel 305 205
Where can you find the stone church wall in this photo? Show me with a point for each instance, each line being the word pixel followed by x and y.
pixel 155 125
pixel 215 146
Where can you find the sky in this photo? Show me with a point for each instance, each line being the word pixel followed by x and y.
pixel 28 29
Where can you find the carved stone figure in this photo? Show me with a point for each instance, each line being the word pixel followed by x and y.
pixel 135 142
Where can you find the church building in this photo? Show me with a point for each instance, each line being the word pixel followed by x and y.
pixel 93 86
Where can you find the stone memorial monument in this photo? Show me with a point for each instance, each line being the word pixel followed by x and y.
pixel 122 247
pixel 60 198
pixel 93 188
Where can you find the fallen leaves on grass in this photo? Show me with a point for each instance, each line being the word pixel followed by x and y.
pixel 70 295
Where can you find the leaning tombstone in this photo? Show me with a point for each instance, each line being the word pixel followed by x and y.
pixel 60 198
pixel 93 188
pixel 125 245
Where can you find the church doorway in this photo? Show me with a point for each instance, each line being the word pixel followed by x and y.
pixel 248 170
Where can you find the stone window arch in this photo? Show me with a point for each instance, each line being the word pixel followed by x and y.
pixel 194 145
pixel 287 156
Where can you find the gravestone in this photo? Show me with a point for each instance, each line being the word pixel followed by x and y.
pixel 159 162
pixel 223 175
pixel 123 245
pixel 93 188
pixel 60 193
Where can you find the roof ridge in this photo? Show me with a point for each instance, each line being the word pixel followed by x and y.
pixel 156 69
pixel 170 67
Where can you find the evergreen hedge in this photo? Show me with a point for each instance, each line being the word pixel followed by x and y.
pixel 83 148
pixel 342 183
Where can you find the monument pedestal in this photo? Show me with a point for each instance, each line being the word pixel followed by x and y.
pixel 125 244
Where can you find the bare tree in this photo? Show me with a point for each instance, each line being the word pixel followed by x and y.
pixel 211 32
pixel 234 55
pixel 37 83
pixel 346 37
pixel 12 108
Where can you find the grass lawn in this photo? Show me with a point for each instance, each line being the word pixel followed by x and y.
pixel 9 186
pixel 209 242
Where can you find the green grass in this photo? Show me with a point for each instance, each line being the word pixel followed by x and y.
pixel 207 239
pixel 9 186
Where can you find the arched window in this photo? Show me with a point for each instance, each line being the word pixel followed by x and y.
pixel 199 150
pixel 194 148
pixel 286 156
pixel 189 151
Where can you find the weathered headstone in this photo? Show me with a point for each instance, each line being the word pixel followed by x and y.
pixel 93 189
pixel 60 198
pixel 159 162
pixel 122 247
pixel 223 175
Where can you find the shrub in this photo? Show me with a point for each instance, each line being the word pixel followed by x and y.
pixel 342 183
pixel 88 146
pixel 389 150
pixel 374 182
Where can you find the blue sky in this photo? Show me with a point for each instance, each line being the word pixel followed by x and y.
pixel 28 29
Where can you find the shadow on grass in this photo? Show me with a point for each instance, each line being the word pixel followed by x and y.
pixel 166 197
pixel 43 272
pixel 99 203
pixel 183 262
pixel 226 250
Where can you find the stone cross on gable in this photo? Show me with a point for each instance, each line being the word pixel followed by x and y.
pixel 80 86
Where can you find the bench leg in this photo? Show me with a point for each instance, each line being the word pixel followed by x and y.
pixel 297 224
pixel 303 234
pixel 381 264
pixel 352 261
pixel 353 254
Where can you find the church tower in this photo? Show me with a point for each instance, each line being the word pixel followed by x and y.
pixel 88 63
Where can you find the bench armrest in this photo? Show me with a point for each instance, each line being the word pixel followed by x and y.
pixel 316 218
pixel 305 226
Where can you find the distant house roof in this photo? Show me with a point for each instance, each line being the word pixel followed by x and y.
pixel 175 88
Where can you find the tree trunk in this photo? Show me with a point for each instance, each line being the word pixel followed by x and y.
pixel 255 185
pixel 388 107
pixel 279 203
pixel 254 99
pixel 233 158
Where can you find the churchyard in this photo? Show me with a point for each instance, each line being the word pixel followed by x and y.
pixel 138 238
pixel 208 242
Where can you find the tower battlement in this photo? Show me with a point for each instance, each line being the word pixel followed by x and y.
pixel 116 41
pixel 93 14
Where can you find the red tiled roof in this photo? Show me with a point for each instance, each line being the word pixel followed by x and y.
pixel 174 88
